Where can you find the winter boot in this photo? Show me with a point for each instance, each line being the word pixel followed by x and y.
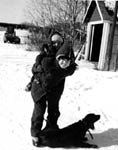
pixel 50 126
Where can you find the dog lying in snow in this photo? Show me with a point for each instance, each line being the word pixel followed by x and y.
pixel 72 135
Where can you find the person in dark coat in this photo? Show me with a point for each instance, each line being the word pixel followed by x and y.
pixel 49 49
pixel 48 87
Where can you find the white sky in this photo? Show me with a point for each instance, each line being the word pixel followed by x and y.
pixel 12 11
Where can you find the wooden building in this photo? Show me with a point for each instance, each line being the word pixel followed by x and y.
pixel 99 20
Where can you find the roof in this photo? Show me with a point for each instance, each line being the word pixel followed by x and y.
pixel 96 6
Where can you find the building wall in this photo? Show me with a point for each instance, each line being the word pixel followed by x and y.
pixel 95 16
pixel 114 49
pixel 114 54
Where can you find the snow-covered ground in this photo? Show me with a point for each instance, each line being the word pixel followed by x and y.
pixel 86 91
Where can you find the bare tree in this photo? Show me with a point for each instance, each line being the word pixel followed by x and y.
pixel 52 12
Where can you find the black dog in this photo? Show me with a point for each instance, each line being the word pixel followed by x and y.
pixel 72 135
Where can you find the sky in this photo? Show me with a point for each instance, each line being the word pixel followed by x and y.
pixel 12 11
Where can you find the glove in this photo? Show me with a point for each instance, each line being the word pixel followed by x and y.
pixel 39 68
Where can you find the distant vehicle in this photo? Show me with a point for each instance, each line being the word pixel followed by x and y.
pixel 10 36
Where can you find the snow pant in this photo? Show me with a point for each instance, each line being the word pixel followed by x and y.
pixel 51 101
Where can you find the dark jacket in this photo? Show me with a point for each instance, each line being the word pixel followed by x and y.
pixel 52 76
pixel 53 73
pixel 46 50
pixel 43 52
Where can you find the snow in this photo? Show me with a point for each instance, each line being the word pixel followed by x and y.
pixel 86 91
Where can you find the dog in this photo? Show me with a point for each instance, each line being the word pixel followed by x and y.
pixel 72 135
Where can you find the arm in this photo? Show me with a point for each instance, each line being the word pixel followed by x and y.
pixel 43 52
pixel 53 78
pixel 36 67
pixel 70 70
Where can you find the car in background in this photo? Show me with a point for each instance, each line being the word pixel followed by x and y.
pixel 10 36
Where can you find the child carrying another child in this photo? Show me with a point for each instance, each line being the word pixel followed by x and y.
pixel 47 89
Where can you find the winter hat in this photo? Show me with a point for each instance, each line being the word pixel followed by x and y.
pixel 65 51
pixel 56 36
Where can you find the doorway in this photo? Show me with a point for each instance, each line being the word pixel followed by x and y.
pixel 95 45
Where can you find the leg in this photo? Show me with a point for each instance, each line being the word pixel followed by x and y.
pixel 53 105
pixel 53 109
pixel 37 117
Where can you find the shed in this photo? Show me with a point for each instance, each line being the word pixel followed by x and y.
pixel 99 20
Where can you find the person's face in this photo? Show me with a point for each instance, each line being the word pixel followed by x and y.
pixel 63 63
pixel 57 44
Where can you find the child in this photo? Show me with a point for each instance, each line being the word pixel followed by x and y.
pixel 58 69
pixel 47 89
pixel 36 67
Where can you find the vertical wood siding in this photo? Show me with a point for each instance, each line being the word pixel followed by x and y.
pixel 95 16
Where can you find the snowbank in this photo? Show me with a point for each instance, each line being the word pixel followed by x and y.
pixel 87 91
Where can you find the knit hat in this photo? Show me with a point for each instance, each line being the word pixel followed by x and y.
pixel 65 51
pixel 56 37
